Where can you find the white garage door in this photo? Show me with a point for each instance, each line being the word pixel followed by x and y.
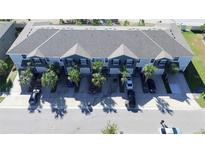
pixel 114 71
pixel 41 69
pixel 85 70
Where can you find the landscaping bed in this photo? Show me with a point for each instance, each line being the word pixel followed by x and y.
pixel 201 102
pixel 1 99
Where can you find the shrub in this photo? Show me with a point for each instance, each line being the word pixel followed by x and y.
pixel 111 128
pixel 25 76
pixel 74 75
pixel 98 79
pixel 49 79
pixel 3 68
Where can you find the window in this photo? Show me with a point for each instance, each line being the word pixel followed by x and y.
pixel 23 56
pixel 83 61
pixel 162 62
pixel 116 62
pixel 47 59
pixel 38 61
pixel 152 60
pixel 138 61
pixel 129 62
pixel 176 58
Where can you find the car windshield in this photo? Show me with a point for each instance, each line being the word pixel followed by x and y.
pixel 129 84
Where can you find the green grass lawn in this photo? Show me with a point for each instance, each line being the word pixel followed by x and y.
pixel 1 99
pixel 201 102
pixel 195 72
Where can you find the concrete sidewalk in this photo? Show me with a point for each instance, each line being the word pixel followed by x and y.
pixel 144 102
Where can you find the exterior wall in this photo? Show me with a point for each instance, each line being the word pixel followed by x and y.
pixel 184 61
pixel 17 59
pixel 6 41
pixel 143 62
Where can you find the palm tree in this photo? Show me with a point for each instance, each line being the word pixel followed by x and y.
pixel 74 75
pixel 202 27
pixel 109 22
pixel 172 68
pixel 98 79
pixel 111 128
pixel 148 71
pixel 95 22
pixel 124 74
pixel 3 67
pixel 97 66
pixel 49 78
pixel 25 76
pixel 126 23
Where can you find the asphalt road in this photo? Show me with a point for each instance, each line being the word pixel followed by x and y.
pixel 74 121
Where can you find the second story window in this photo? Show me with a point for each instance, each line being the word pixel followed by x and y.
pixel 176 58
pixel 23 56
pixel 115 62
pixel 83 61
pixel 152 61
pixel 129 62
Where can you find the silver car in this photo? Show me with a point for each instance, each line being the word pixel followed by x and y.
pixel 170 130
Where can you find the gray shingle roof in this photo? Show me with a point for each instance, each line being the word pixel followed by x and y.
pixel 122 50
pixel 4 26
pixel 100 43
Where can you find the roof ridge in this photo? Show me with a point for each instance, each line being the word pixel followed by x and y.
pixel 179 42
pixel 74 47
pixel 46 41
pixel 152 40
pixel 123 46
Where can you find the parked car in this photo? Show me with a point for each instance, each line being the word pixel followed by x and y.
pixel 170 130
pixel 151 86
pixel 131 99
pixel 129 83
pixel 35 96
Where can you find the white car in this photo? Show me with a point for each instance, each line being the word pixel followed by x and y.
pixel 129 84
pixel 170 130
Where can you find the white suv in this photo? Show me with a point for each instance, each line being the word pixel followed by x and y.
pixel 129 83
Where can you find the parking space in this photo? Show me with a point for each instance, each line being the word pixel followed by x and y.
pixel 137 84
pixel 84 85
pixel 160 88
pixel 178 84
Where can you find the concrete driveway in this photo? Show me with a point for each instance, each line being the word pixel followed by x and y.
pixel 178 84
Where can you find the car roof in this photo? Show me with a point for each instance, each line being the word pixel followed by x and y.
pixel 171 130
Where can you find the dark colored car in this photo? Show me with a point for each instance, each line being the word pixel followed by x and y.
pixel 93 89
pixel 35 96
pixel 131 99
pixel 151 86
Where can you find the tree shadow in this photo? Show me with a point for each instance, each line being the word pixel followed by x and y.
pixel 86 107
pixel 108 105
pixel 163 106
pixel 57 104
